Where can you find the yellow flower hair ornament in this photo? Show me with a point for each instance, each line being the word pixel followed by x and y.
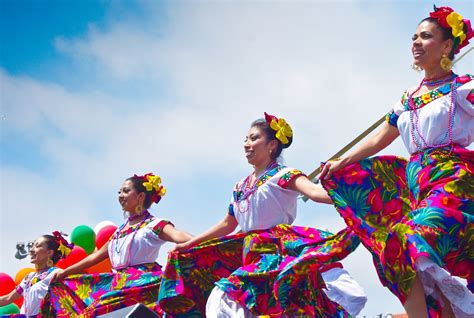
pixel 153 184
pixel 64 247
pixel 281 127
pixel 460 28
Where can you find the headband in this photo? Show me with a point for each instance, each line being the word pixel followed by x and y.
pixel 64 247
pixel 460 28
pixel 281 127
pixel 152 183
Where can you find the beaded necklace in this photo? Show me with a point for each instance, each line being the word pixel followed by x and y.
pixel 115 239
pixel 414 119
pixel 39 276
pixel 246 189
pixel 442 80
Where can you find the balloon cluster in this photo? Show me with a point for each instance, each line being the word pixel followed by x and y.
pixel 86 241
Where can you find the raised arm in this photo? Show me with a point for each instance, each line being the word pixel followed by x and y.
pixel 307 188
pixel 224 227
pixel 171 234
pixel 384 137
pixel 8 299
pixel 87 262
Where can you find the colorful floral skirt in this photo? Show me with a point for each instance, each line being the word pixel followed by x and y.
pixel 269 272
pixel 404 212
pixel 98 294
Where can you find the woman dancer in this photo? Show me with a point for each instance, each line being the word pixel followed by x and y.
pixel 270 267
pixel 133 250
pixel 47 250
pixel 416 217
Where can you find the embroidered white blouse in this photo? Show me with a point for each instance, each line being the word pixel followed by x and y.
pixel 126 249
pixel 433 110
pixel 33 288
pixel 268 203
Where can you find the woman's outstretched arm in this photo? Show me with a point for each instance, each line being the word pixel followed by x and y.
pixel 224 227
pixel 171 234
pixel 309 189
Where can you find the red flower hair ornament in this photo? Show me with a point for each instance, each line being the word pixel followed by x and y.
pixel 460 28
pixel 153 183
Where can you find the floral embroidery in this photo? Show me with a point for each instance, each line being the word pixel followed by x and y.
pixel 131 229
pixel 159 226
pixel 470 96
pixel 423 100
pixel 285 179
pixel 239 193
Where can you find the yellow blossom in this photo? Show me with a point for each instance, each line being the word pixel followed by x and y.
pixel 454 20
pixel 153 182
pixel 283 130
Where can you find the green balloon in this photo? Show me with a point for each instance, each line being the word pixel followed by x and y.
pixel 9 309
pixel 84 236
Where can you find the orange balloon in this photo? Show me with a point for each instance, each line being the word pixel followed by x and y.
pixel 21 274
pixel 102 267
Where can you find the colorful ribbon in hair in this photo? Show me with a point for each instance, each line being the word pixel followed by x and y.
pixel 153 183
pixel 64 247
pixel 460 28
pixel 282 128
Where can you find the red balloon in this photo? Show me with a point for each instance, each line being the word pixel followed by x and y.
pixel 7 284
pixel 104 234
pixel 77 254
pixel 19 302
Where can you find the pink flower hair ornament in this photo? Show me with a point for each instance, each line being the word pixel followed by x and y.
pixel 460 28
pixel 153 184
pixel 281 127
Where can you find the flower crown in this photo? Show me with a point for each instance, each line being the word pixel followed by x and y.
pixel 64 247
pixel 153 183
pixel 282 128
pixel 460 28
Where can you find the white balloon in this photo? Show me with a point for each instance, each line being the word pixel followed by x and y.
pixel 102 224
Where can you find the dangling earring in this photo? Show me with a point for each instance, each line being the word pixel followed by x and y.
pixel 445 63
pixel 49 262
pixel 138 208
pixel 416 68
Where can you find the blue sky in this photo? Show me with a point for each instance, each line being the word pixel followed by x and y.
pixel 92 92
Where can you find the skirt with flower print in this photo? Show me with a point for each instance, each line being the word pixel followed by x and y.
pixel 404 211
pixel 271 272
pixel 98 294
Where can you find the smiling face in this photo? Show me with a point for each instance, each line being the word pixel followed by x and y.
pixel 129 198
pixel 428 46
pixel 257 148
pixel 40 253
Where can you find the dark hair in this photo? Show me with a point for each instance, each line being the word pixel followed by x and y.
pixel 446 32
pixel 271 135
pixel 53 244
pixel 138 185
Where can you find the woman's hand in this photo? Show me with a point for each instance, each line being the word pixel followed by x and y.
pixel 58 275
pixel 330 167
pixel 180 247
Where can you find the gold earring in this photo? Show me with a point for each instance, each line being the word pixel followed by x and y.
pixel 445 63
pixel 139 208
pixel 49 262
pixel 416 68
